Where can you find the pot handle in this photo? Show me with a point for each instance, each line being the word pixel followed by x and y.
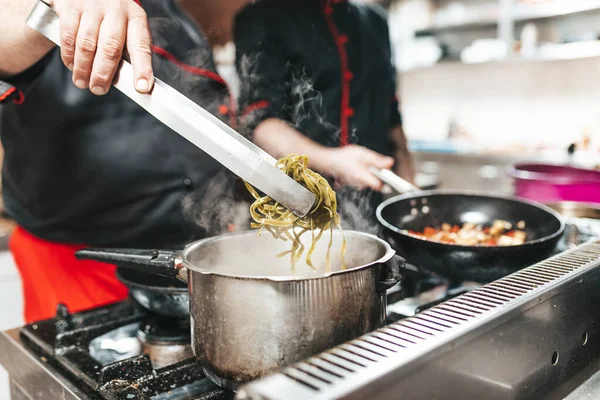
pixel 390 273
pixel 157 262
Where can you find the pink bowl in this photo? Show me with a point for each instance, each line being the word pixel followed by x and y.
pixel 548 183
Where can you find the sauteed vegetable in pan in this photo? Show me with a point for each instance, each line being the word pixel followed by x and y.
pixel 499 234
pixel 406 219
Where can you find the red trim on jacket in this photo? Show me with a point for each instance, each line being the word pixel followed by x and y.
pixel 201 72
pixel 257 105
pixel 20 98
pixel 10 91
pixel 189 68
pixel 346 75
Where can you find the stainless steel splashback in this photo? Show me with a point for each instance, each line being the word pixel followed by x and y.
pixel 529 335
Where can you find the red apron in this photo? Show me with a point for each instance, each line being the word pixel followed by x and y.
pixel 50 274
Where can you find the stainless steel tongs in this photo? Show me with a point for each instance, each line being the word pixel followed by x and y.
pixel 197 125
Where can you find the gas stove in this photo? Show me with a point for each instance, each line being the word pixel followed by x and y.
pixel 124 352
pixel 116 352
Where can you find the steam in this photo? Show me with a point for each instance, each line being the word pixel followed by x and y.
pixel 302 101
pixel 215 208
pixel 307 103
pixel 356 211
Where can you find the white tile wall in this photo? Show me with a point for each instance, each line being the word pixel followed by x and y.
pixel 11 312
pixel 524 103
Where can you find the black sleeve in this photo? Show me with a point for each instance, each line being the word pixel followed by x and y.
pixel 15 88
pixel 261 61
pixel 379 17
pixel 395 116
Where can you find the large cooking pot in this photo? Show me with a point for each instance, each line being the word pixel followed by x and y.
pixel 250 315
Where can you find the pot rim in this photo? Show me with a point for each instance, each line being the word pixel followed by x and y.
pixel 521 172
pixel 407 196
pixel 389 253
pixel 568 205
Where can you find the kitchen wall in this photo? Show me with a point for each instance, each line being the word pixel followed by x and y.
pixel 527 103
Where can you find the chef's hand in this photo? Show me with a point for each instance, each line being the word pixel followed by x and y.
pixel 349 165
pixel 93 34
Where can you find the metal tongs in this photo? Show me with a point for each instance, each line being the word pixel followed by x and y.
pixel 197 125
pixel 393 181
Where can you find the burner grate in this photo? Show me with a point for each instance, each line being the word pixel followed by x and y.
pixel 346 368
pixel 64 343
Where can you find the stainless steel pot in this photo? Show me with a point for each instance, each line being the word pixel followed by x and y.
pixel 250 315
pixel 580 222
pixel 574 209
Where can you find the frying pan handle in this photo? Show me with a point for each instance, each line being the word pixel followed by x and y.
pixel 390 273
pixel 158 262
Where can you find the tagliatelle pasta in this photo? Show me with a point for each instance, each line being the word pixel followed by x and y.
pixel 283 224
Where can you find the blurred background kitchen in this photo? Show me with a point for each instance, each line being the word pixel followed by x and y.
pixel 483 85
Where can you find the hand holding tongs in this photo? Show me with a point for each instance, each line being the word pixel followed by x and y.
pixel 197 125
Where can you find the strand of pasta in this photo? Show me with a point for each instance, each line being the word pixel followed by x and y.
pixel 283 224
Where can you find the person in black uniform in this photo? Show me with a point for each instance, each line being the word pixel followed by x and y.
pixel 318 79
pixel 87 170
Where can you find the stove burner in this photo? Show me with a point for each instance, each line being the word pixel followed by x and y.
pixel 116 345
pixel 158 329
pixel 100 351
pixel 165 340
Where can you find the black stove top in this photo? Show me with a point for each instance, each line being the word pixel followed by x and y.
pixel 157 329
pixel 99 351
pixel 104 351
pixel 110 352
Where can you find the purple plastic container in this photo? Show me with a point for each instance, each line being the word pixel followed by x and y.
pixel 547 183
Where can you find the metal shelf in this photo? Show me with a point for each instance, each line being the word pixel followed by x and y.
pixel 521 13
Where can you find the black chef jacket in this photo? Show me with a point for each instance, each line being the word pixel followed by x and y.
pixel 324 66
pixel 101 170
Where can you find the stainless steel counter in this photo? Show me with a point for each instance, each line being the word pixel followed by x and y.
pixel 30 376
pixel 590 389
pixel 481 172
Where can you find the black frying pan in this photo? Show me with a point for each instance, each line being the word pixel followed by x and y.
pixel 162 295
pixel 415 211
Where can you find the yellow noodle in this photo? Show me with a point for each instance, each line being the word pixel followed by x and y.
pixel 282 223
